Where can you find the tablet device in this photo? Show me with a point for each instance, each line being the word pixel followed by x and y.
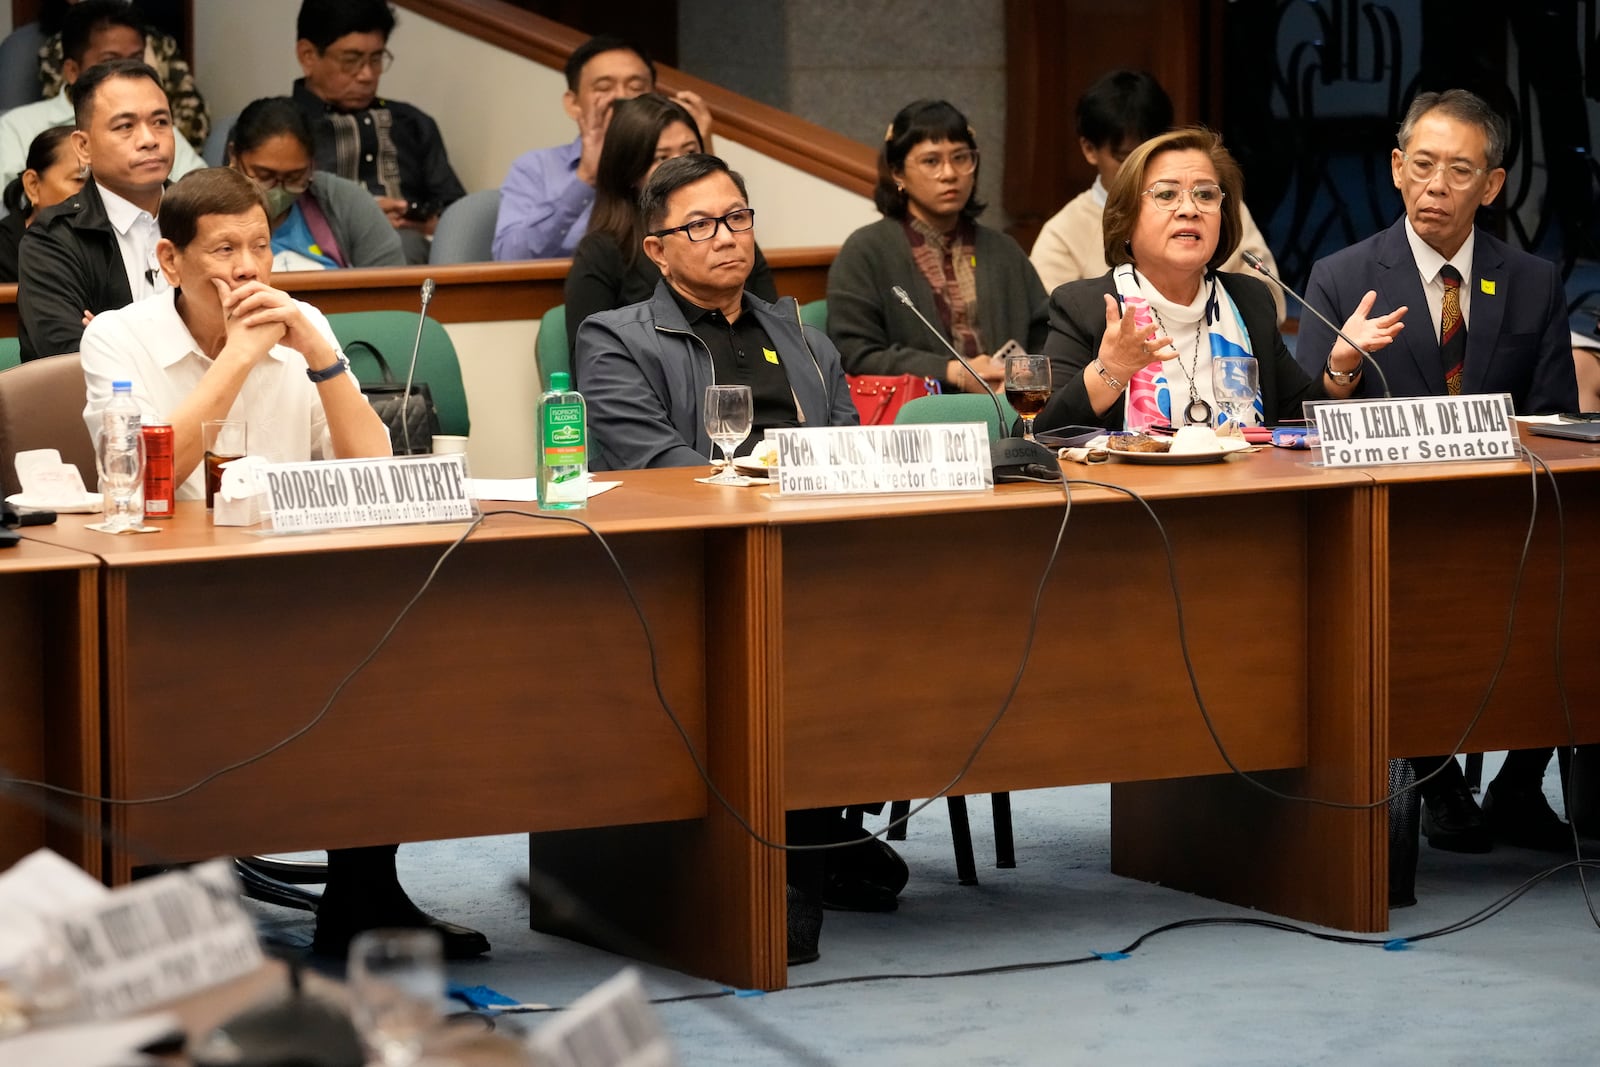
pixel 1572 431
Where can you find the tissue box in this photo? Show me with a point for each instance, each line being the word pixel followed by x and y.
pixel 238 502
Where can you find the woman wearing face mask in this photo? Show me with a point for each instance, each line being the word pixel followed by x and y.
pixel 52 174
pixel 608 269
pixel 319 221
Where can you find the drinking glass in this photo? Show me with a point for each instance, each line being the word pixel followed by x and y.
pixel 396 980
pixel 730 410
pixel 1027 388
pixel 224 440
pixel 1234 380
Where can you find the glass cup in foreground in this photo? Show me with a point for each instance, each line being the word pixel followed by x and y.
pixel 1028 388
pixel 396 981
pixel 1234 381
pixel 729 413
pixel 223 440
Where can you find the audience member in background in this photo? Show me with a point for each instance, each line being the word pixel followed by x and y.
pixel 53 173
pixel 97 250
pixel 548 193
pixel 972 282
pixel 319 220
pixel 1172 219
pixel 644 370
pixel 95 31
pixel 222 343
pixel 161 52
pixel 1122 110
pixel 392 149
pixel 609 269
pixel 1484 318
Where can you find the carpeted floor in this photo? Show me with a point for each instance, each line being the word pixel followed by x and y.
pixel 1521 988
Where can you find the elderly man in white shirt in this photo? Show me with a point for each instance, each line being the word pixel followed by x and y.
pixel 222 343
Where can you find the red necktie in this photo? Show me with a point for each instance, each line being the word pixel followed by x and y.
pixel 1452 330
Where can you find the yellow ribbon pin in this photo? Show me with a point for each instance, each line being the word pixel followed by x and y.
pixel 772 357
pixel 1486 286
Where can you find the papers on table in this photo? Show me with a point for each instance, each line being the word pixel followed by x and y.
pixel 525 490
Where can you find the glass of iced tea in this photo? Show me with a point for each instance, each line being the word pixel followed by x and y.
pixel 224 440
pixel 1027 387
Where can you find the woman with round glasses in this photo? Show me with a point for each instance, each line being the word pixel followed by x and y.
pixel 319 221
pixel 1133 348
pixel 608 269
pixel 972 282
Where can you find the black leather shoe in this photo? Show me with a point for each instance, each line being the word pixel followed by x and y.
pixel 864 877
pixel 337 928
pixel 1452 822
pixel 805 928
pixel 1524 818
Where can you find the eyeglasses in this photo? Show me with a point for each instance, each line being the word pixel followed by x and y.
pixel 297 182
pixel 353 62
pixel 1457 175
pixel 963 161
pixel 737 221
pixel 1207 199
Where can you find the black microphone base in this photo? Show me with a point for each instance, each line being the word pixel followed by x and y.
pixel 1016 459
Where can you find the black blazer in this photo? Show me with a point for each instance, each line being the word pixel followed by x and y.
pixel 1518 341
pixel 68 263
pixel 1078 322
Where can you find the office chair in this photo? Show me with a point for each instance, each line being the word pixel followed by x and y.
pixel 41 406
pixel 550 348
pixel 392 333
pixel 465 233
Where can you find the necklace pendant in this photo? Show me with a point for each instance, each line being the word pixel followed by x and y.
pixel 1197 413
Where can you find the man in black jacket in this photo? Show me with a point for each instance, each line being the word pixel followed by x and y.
pixel 97 250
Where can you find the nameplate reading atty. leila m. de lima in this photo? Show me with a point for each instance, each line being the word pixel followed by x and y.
pixel 931 458
pixel 392 491
pixel 1424 429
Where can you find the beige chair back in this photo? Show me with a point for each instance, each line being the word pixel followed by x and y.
pixel 41 406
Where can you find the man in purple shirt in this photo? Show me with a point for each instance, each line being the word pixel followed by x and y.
pixel 546 197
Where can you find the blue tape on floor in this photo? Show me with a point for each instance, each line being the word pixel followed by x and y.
pixel 1111 957
pixel 1399 944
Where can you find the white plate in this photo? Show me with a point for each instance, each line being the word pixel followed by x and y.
pixel 89 504
pixel 750 467
pixel 1168 458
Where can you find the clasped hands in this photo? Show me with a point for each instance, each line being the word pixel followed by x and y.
pixel 258 316
pixel 991 370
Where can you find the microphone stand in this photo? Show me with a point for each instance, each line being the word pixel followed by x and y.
pixel 1255 263
pixel 1015 459
pixel 416 346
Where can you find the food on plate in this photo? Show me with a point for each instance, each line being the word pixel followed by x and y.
pixel 1194 440
pixel 1137 442
pixel 764 454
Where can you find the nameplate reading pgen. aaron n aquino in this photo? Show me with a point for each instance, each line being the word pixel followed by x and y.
pixel 930 458
pixel 391 491
pixel 1442 429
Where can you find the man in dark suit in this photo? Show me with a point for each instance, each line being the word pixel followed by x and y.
pixel 1495 322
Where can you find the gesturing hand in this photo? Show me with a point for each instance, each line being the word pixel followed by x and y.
pixel 1372 334
pixel 1125 349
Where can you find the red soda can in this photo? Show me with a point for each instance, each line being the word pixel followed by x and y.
pixel 159 490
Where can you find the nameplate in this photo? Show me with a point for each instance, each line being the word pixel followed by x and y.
pixel 931 458
pixel 1429 429
pixel 158 939
pixel 391 491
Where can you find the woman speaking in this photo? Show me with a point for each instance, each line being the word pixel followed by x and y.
pixel 1171 217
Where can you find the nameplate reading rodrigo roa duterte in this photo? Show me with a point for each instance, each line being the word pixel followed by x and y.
pixel 1428 429
pixel 931 458
pixel 391 491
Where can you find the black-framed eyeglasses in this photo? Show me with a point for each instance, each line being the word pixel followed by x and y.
pixel 737 221
pixel 296 182
pixel 353 62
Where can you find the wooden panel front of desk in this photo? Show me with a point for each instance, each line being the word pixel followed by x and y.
pixel 50 700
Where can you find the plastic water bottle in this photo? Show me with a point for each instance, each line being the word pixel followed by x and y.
pixel 563 446
pixel 121 459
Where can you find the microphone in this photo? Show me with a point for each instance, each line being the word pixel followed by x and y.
pixel 416 346
pixel 1254 262
pixel 1015 459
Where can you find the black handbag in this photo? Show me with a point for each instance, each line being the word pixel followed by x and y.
pixel 412 423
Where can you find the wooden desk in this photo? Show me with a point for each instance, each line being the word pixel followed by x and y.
pixel 805 646
pixel 50 692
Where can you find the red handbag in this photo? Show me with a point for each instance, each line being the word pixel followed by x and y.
pixel 879 397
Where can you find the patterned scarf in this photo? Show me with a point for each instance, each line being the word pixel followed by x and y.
pixel 949 262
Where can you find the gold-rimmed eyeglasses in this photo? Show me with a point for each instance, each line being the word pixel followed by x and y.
pixel 1457 173
pixel 963 161
pixel 1206 198
pixel 355 62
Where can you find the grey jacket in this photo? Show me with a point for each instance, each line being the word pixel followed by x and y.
pixel 877 334
pixel 643 374
pixel 366 236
